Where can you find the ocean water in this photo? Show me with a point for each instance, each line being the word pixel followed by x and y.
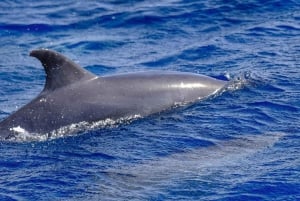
pixel 243 144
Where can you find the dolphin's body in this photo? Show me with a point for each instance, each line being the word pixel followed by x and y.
pixel 72 95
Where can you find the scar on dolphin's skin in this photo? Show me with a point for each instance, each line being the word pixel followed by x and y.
pixel 78 95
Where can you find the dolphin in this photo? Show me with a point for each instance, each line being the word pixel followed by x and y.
pixel 72 95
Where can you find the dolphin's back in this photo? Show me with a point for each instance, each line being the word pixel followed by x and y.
pixel 139 94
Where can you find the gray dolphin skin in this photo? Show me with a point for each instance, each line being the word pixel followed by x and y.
pixel 73 95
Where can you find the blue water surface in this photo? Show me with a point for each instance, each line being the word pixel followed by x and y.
pixel 243 144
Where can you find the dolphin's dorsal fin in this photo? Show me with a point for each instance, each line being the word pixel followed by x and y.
pixel 60 71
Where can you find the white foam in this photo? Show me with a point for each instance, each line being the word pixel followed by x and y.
pixel 238 82
pixel 22 135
